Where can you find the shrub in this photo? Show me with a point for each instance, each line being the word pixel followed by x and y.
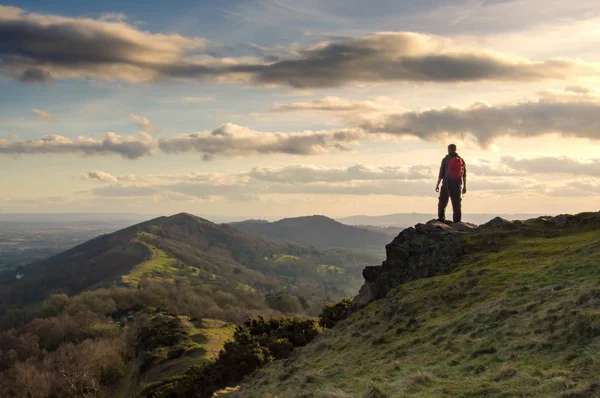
pixel 256 343
pixel 332 313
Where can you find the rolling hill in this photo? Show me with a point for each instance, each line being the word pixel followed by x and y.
pixel 186 248
pixel 510 309
pixel 316 231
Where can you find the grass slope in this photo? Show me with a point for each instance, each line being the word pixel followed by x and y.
pixel 520 317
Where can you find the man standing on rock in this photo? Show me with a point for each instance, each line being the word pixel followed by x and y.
pixel 453 173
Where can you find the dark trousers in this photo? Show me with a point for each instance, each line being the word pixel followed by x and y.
pixel 450 190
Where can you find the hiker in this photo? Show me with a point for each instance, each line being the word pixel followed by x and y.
pixel 453 172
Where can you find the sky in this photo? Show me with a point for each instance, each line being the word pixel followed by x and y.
pixel 281 108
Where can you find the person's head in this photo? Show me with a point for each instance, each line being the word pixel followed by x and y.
pixel 451 148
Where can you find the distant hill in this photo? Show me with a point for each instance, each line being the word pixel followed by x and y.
pixel 317 231
pixel 405 220
pixel 187 247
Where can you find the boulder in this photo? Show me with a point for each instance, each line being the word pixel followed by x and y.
pixel 423 251
pixel 464 227
pixel 497 222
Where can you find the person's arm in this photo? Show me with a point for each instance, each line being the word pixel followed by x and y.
pixel 441 175
pixel 464 190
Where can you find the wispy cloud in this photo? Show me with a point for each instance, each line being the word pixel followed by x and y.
pixel 195 100
pixel 100 176
pixel 112 17
pixel 359 172
pixel 43 115
pixel 329 104
pixel 358 180
pixel 555 165
pixel 143 123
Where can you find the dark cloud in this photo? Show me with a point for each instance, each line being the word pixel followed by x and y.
pixel 35 75
pixel 130 147
pixel 402 57
pixel 35 47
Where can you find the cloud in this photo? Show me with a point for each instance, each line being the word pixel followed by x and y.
pixel 130 147
pixel 37 48
pixel 570 94
pixel 554 165
pixel 112 17
pixel 359 172
pixel 196 100
pixel 233 140
pixel 576 189
pixel 43 115
pixel 124 191
pixel 407 57
pixel 99 176
pixel 329 104
pixel 227 140
pixel 356 180
pixel 487 168
pixel 485 122
pixel 143 123
pixel 34 75
pixel 579 89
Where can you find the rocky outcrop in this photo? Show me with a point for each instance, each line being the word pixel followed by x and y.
pixel 420 252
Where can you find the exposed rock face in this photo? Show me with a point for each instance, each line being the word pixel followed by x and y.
pixel 420 252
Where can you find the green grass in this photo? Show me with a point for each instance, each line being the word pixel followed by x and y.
pixel 280 258
pixel 520 317
pixel 218 332
pixel 159 263
pixel 326 269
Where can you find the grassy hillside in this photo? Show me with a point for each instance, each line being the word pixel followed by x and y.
pixel 518 315
pixel 317 231
pixel 184 249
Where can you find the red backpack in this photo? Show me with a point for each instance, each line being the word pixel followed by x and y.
pixel 455 168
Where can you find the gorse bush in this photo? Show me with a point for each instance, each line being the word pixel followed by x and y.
pixel 165 337
pixel 256 343
pixel 332 313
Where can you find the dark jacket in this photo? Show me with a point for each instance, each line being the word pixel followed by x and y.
pixel 444 167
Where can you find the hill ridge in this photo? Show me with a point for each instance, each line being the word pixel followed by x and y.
pixel 318 231
pixel 183 246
